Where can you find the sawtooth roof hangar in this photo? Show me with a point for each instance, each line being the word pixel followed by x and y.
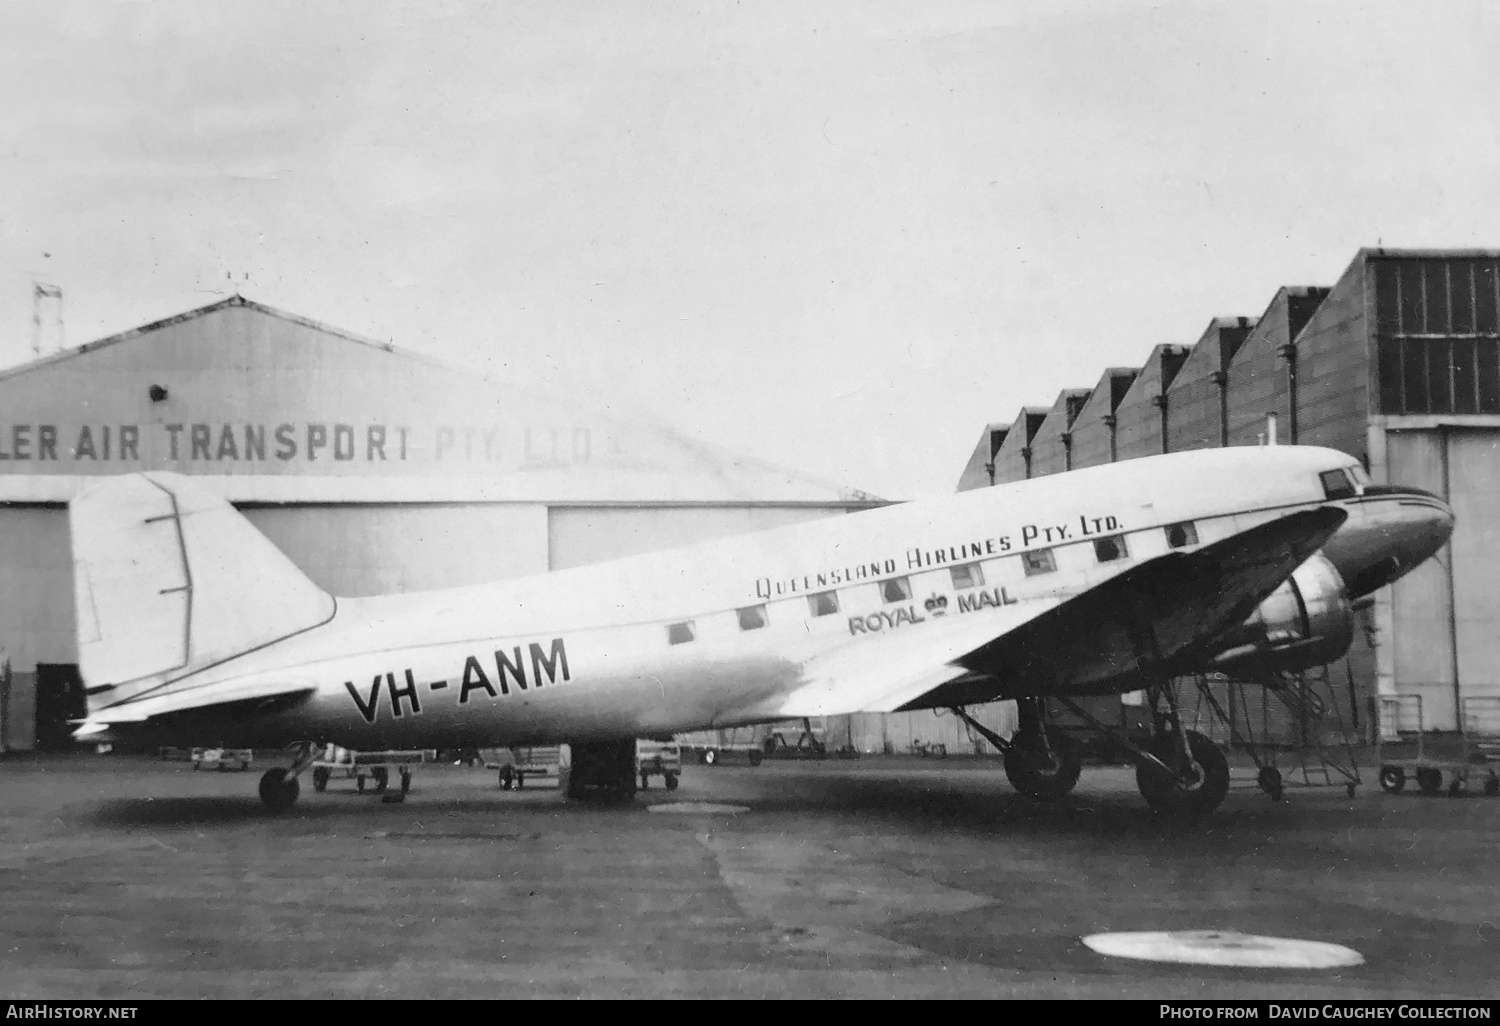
pixel 374 469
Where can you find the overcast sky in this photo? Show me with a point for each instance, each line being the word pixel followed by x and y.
pixel 839 236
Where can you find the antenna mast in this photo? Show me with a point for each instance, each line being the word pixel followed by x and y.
pixel 41 294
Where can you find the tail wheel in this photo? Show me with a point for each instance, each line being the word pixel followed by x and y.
pixel 1392 779
pixel 320 778
pixel 1185 791
pixel 405 781
pixel 1032 772
pixel 278 790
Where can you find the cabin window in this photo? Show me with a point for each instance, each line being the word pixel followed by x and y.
pixel 752 618
pixel 680 633
pixel 824 603
pixel 1336 484
pixel 1110 549
pixel 1181 535
pixel 897 589
pixel 1038 561
pixel 970 575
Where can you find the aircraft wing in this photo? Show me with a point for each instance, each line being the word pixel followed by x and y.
pixel 1159 618
pixel 885 672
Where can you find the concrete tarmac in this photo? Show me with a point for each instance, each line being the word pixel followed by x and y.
pixel 127 877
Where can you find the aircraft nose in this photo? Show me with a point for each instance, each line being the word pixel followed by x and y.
pixel 1395 530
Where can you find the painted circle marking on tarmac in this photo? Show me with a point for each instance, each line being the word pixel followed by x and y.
pixel 1224 947
pixel 697 807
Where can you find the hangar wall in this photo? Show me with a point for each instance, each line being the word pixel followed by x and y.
pixel 374 469
pixel 1398 364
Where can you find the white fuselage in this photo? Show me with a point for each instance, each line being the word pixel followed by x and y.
pixel 600 651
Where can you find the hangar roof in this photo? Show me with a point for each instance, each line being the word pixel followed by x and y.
pixel 271 406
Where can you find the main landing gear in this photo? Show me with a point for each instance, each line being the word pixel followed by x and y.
pixel 279 787
pixel 602 769
pixel 1038 763
pixel 1181 773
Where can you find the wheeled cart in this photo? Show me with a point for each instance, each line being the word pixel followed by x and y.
pixel 517 765
pixel 1406 750
pixel 658 758
pixel 362 766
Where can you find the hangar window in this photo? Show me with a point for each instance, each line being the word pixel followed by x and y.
pixel 1038 561
pixel 824 603
pixel 897 589
pixel 1181 535
pixel 1336 484
pixel 970 575
pixel 680 633
pixel 752 618
pixel 1110 549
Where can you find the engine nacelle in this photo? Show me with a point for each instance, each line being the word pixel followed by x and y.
pixel 1304 623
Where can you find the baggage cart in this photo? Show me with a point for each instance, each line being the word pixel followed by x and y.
pixel 711 747
pixel 222 759
pixel 658 758
pixel 1406 750
pixel 345 764
pixel 517 765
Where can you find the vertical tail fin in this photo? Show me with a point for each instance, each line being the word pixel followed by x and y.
pixel 168 578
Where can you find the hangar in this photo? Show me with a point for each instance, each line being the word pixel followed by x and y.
pixel 373 468
pixel 1397 363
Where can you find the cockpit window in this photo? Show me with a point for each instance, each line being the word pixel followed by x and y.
pixel 1336 484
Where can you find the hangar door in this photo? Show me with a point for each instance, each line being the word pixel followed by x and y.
pixel 579 535
pixel 1446 613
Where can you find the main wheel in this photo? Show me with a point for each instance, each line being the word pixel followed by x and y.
pixel 671 781
pixel 1184 792
pixel 645 781
pixel 710 756
pixel 507 778
pixel 1430 780
pixel 1492 786
pixel 278 790
pixel 320 778
pixel 405 781
pixel 755 757
pixel 1392 779
pixel 1034 773
pixel 382 778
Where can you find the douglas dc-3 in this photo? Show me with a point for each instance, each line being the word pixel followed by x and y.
pixel 193 629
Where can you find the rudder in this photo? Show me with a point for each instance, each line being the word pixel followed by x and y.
pixel 169 578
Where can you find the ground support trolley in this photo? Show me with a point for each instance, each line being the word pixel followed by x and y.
pixel 1406 750
pixel 517 765
pixel 372 766
pixel 658 759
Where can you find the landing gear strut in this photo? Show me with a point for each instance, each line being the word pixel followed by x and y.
pixel 1183 774
pixel 1038 762
pixel 603 768
pixel 279 787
